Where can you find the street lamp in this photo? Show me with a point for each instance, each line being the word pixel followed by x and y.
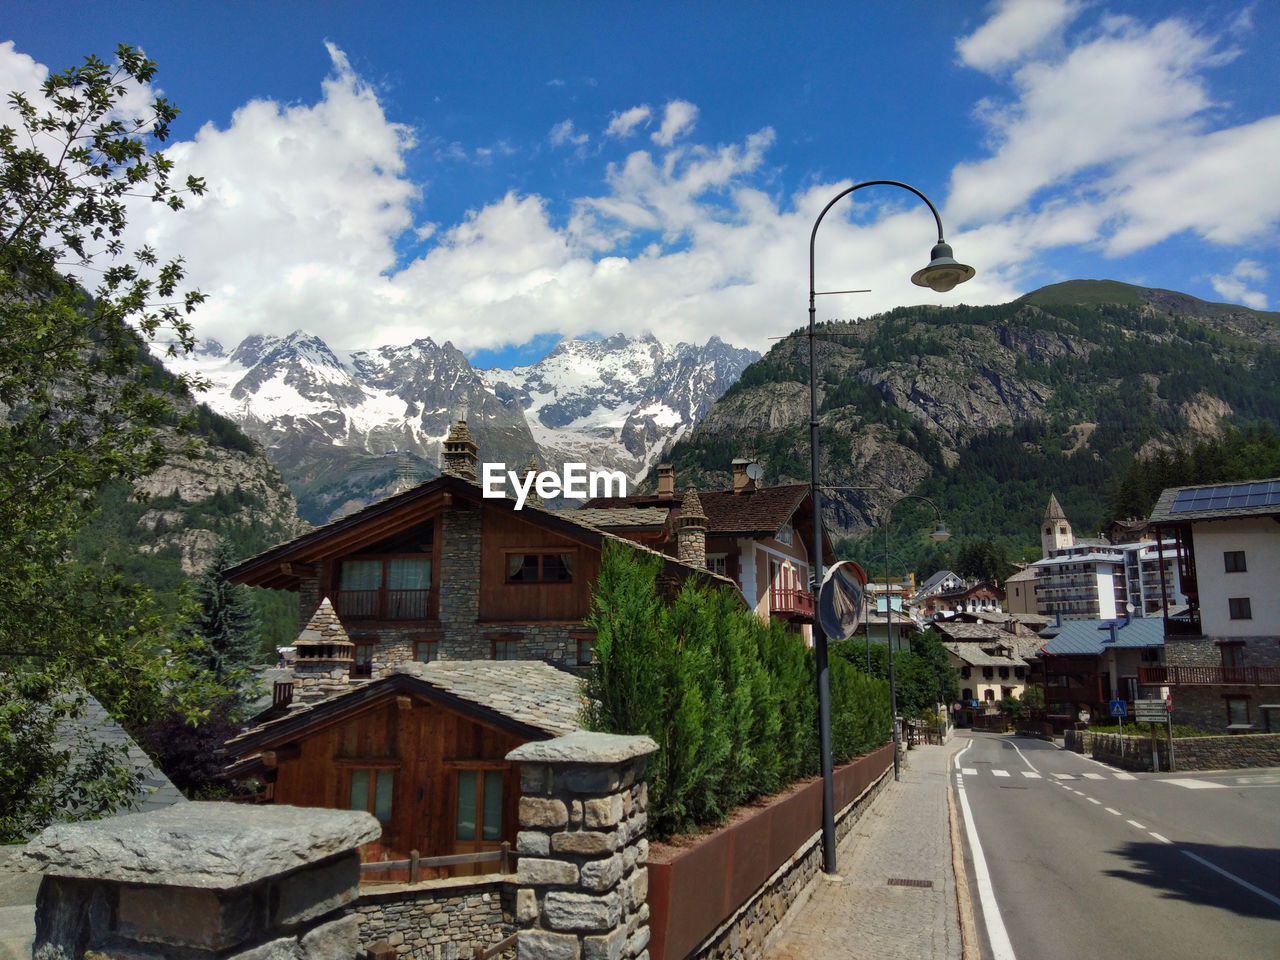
pixel 940 274
pixel 939 535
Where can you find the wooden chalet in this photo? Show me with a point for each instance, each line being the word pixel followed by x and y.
pixel 441 572
pixel 422 749
pixel 758 537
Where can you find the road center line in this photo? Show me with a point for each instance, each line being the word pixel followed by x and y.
pixel 1091 800
pixel 1001 948
pixel 1160 838
pixel 1135 823
pixel 1113 811
pixel 1233 878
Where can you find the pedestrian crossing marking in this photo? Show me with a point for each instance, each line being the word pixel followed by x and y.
pixel 1093 776
pixel 1195 784
pixel 1064 776
pixel 1031 774
pixel 1124 776
pixel 969 771
pixel 1000 773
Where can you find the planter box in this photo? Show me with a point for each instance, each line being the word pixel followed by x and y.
pixel 697 888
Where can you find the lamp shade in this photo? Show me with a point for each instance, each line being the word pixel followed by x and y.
pixel 943 271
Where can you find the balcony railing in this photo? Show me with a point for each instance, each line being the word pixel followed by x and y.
pixel 792 603
pixel 1206 676
pixel 383 604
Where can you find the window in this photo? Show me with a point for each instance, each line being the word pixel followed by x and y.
pixel 389 588
pixel 1019 672
pixel 539 568
pixel 1239 608
pixel 988 673
pixel 1233 561
pixel 424 651
pixel 966 694
pixel 1232 655
pixel 505 648
pixel 371 790
pixel 1237 710
pixel 362 664
pixel 964 674
pixel 718 563
pixel 989 696
pixel 586 649
pixel 479 816
pixel 1004 673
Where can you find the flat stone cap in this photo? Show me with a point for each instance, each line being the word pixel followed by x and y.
pixel 209 845
pixel 584 747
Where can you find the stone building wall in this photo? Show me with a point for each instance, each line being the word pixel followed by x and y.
pixel 1189 753
pixel 438 919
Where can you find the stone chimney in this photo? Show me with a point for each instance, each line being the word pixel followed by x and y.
pixel 741 481
pixel 460 453
pixel 533 469
pixel 322 665
pixel 666 480
pixel 692 538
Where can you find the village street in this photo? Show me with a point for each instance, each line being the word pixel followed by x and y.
pixel 1087 860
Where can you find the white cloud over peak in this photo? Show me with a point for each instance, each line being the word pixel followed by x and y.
pixel 563 134
pixel 624 124
pixel 680 116
pixel 1235 286
pixel 1017 29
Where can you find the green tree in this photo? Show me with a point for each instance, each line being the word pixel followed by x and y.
pixel 225 625
pixel 81 406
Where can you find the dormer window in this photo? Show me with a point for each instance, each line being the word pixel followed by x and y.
pixel 786 534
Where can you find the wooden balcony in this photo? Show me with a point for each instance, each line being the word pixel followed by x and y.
pixel 791 603
pixel 1177 676
pixel 383 604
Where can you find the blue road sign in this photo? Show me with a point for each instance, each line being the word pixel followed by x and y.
pixel 1118 709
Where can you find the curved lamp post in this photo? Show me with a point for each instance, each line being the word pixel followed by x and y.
pixel 939 535
pixel 940 274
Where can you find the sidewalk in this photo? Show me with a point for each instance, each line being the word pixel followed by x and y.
pixel 17 908
pixel 906 835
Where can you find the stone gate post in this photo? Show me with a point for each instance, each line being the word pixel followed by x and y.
pixel 582 876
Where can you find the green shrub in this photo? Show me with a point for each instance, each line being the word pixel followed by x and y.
pixel 730 701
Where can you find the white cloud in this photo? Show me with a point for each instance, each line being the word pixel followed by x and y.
pixel 563 134
pixel 679 118
pixel 624 124
pixel 1235 287
pixel 1017 28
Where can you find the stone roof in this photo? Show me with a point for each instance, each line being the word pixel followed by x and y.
pixel 972 631
pixel 629 517
pixel 974 655
pixel 528 695
pixel 324 627
pixel 759 512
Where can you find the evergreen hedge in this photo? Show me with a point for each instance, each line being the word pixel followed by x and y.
pixel 730 700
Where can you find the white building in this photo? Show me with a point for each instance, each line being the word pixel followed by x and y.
pixel 1096 580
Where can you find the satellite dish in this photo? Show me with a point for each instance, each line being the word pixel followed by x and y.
pixel 754 471
pixel 840 600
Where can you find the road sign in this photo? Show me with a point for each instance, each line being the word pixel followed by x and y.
pixel 1150 711
pixel 1118 708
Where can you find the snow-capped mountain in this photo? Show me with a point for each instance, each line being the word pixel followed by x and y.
pixel 620 402
pixel 339 427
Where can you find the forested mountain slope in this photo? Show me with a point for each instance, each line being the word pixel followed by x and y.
pixel 987 410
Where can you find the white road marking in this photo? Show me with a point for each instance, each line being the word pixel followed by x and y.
pixel 1000 773
pixel 1124 776
pixel 1160 838
pixel 1024 759
pixel 1233 878
pixel 1135 823
pixel 1091 800
pixel 1093 776
pixel 1113 811
pixel 1065 776
pixel 970 771
pixel 1031 774
pixel 1001 948
pixel 1195 784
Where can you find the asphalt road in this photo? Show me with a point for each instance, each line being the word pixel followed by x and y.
pixel 1085 860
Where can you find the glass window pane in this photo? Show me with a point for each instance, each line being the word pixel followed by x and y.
pixel 382 797
pixel 491 828
pixel 466 827
pixel 359 789
pixel 427 650
pixel 522 567
pixel 557 567
pixel 409 573
pixel 360 575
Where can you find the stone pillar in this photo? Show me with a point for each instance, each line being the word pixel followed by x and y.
pixel 309 594
pixel 691 540
pixel 201 880
pixel 582 877
pixel 461 535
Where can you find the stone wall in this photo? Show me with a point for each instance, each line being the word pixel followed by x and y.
pixel 582 875
pixel 201 881
pixel 438 919
pixel 1189 753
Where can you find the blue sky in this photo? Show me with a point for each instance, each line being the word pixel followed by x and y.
pixel 502 174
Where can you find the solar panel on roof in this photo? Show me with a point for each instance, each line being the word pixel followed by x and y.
pixel 1228 496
